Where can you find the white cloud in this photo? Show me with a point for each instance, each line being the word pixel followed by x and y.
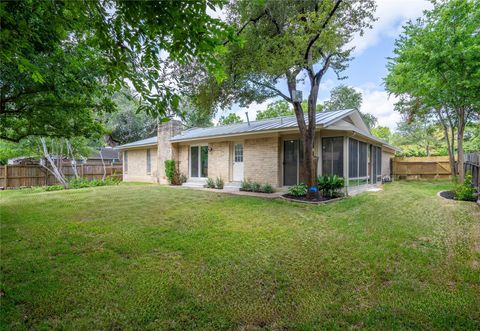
pixel 392 14
pixel 380 104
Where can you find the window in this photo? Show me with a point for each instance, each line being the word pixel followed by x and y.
pixel 238 151
pixel 376 164
pixel 125 161
pixel 332 156
pixel 357 162
pixel 149 163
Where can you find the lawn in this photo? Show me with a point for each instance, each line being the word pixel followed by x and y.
pixel 150 257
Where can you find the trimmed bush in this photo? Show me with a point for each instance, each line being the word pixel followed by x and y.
pixel 210 183
pixel 245 186
pixel 219 183
pixel 299 190
pixel 330 185
pixel 266 188
pixel 465 191
pixel 256 187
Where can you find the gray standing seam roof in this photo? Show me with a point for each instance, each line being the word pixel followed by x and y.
pixel 138 143
pixel 278 123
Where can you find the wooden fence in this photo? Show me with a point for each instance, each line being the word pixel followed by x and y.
pixel 14 176
pixel 472 164
pixel 429 167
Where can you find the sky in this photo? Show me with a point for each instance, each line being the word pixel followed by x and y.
pixel 366 71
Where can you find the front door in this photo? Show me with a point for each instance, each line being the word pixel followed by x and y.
pixel 198 161
pixel 237 162
pixel 290 162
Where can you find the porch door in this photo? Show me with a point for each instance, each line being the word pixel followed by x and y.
pixel 290 162
pixel 198 161
pixel 237 162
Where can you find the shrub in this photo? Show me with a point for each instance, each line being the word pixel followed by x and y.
pixel 172 173
pixel 210 183
pixel 299 190
pixel 78 183
pixel 330 185
pixel 266 188
pixel 255 187
pixel 465 191
pixel 245 185
pixel 219 183
pixel 54 188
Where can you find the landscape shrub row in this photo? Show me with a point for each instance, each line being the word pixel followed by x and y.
pixel 250 186
pixel 329 186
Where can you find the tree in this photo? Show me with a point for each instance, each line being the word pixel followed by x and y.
pixel 194 116
pixel 280 42
pixel 382 132
pixel 435 70
pixel 231 118
pixel 345 97
pixel 128 124
pixel 62 59
pixel 275 109
pixel 418 138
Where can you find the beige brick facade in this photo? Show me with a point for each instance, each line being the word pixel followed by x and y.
pixel 137 166
pixel 182 159
pixel 219 160
pixel 261 160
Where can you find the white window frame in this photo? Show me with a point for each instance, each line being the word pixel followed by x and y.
pixel 125 162
pixel 199 160
pixel 149 162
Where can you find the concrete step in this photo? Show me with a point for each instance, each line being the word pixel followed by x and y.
pixel 232 186
pixel 195 183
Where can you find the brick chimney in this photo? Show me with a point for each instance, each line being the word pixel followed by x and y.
pixel 165 149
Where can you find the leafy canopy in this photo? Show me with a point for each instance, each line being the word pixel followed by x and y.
pixel 61 60
pixel 231 118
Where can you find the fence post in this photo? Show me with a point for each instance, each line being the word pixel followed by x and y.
pixel 6 176
pixel 82 171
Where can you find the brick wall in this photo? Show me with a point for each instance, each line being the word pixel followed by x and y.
pixel 219 161
pixel 137 166
pixel 182 158
pixel 261 160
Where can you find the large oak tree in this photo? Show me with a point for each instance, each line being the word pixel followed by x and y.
pixel 286 42
pixel 436 71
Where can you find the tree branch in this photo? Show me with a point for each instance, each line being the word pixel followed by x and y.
pixel 307 56
pixel 280 93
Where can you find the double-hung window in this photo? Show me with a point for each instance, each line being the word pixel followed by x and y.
pixel 149 162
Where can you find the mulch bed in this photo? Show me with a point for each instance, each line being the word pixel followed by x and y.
pixel 447 195
pixel 319 199
pixel 450 195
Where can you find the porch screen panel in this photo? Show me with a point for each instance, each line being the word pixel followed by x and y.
pixel 379 164
pixel 362 159
pixel 357 162
pixel 332 156
pixel 352 158
pixel 194 161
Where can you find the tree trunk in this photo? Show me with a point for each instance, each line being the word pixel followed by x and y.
pixel 73 162
pixel 450 143
pixel 460 154
pixel 55 170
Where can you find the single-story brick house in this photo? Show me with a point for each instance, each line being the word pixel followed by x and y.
pixel 266 151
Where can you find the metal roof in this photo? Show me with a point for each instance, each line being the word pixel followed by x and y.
pixel 140 143
pixel 272 124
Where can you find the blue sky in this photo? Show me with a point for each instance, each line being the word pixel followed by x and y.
pixel 368 67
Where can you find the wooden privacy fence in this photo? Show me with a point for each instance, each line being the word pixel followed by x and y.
pixel 428 167
pixel 13 176
pixel 472 164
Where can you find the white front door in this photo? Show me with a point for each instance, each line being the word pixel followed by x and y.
pixel 237 162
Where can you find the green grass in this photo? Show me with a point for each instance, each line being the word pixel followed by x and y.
pixel 150 257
